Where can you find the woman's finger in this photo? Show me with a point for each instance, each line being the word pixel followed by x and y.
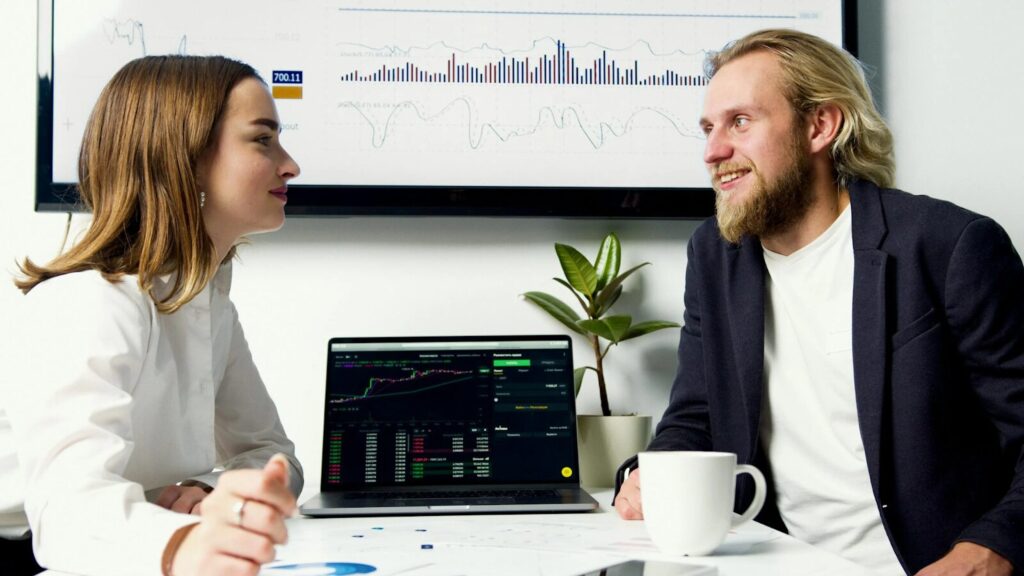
pixel 278 468
pixel 187 499
pixel 255 485
pixel 168 496
pixel 256 516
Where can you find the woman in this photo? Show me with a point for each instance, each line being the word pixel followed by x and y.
pixel 145 382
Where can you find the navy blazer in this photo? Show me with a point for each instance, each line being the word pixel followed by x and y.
pixel 938 364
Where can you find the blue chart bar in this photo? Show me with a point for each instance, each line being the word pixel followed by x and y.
pixel 557 68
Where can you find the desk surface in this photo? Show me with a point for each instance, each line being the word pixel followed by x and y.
pixel 543 544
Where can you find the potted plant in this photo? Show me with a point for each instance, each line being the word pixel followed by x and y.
pixel 606 440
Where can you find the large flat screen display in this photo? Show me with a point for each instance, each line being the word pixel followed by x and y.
pixel 485 107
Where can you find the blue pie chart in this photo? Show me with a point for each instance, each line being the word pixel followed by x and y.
pixel 320 569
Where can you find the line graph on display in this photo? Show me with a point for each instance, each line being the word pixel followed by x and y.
pixel 536 45
pixel 595 133
pixel 417 382
pixel 132 32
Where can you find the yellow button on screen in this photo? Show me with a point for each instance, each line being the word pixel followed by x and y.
pixel 566 472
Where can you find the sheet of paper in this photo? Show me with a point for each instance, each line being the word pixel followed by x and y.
pixel 476 546
pixel 433 548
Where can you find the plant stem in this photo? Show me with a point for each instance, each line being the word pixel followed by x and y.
pixel 599 358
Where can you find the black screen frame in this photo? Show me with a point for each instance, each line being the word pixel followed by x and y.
pixel 342 200
pixel 565 339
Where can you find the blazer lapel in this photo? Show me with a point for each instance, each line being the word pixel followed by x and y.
pixel 745 300
pixel 870 334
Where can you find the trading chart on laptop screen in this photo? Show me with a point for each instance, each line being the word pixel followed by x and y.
pixel 412 414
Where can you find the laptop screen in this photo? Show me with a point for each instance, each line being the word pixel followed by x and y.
pixel 449 411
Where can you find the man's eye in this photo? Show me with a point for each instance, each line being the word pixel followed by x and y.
pixel 741 121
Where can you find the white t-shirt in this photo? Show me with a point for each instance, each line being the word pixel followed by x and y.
pixel 809 422
pixel 117 400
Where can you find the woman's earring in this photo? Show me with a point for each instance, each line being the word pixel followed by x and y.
pixel 202 199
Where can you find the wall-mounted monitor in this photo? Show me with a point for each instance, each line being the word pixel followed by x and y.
pixel 586 108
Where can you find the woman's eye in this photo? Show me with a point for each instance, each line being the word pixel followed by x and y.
pixel 265 140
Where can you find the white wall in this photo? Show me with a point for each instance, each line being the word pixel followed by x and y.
pixel 945 88
pixel 951 86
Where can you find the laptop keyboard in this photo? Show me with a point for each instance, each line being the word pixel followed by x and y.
pixel 446 494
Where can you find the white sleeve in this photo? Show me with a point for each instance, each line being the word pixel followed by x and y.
pixel 83 342
pixel 248 429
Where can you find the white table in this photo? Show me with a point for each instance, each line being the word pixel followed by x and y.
pixel 548 544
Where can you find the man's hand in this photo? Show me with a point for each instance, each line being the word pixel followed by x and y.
pixel 968 558
pixel 628 502
pixel 184 499
pixel 242 520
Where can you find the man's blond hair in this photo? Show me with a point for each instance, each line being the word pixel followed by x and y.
pixel 816 72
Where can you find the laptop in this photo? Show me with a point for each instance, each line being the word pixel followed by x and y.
pixel 449 425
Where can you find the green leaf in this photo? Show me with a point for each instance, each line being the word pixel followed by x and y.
pixel 579 299
pixel 613 290
pixel 577 377
pixel 556 308
pixel 606 299
pixel 612 328
pixel 608 259
pixel 577 269
pixel 595 327
pixel 642 328
pixel 618 280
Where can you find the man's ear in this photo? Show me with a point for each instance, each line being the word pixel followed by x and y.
pixel 823 125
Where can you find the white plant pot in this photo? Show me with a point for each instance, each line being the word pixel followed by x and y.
pixel 605 442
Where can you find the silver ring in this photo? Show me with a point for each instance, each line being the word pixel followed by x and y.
pixel 238 510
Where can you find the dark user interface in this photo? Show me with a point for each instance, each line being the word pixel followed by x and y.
pixel 441 416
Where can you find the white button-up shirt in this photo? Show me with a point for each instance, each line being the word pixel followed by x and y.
pixel 113 400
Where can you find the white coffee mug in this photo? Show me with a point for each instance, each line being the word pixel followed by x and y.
pixel 688 499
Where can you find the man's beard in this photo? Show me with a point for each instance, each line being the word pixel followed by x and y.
pixel 771 207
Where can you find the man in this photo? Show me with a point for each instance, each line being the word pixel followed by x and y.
pixel 862 346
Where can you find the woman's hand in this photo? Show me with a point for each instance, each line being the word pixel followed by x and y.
pixel 184 499
pixel 242 520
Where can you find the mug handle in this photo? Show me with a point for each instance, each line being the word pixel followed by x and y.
pixel 760 491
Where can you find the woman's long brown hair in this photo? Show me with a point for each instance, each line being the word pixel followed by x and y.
pixel 137 176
